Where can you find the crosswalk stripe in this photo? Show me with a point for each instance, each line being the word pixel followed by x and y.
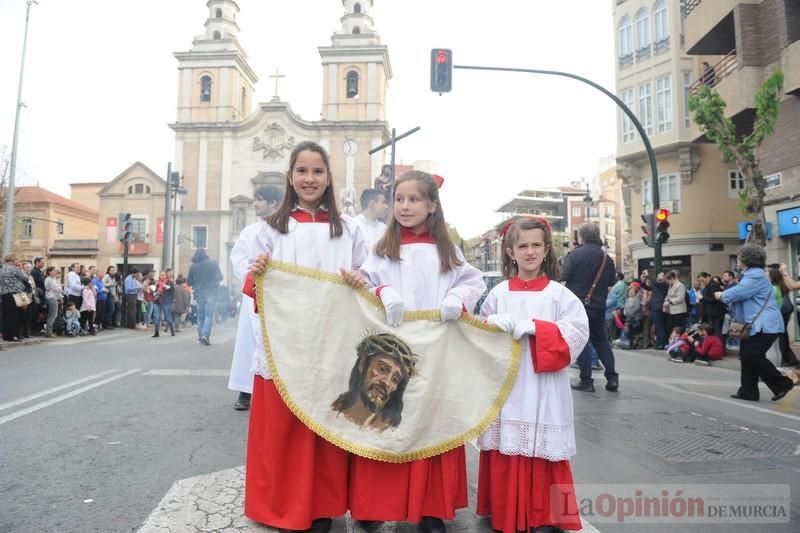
pixel 31 397
pixel 66 396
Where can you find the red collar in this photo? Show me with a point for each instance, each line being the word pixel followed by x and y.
pixel 409 237
pixel 304 216
pixel 534 285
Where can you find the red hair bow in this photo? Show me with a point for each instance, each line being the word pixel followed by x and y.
pixel 511 222
pixel 439 180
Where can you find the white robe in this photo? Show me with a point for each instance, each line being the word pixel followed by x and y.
pixel 371 230
pixel 537 418
pixel 308 244
pixel 418 278
pixel 242 256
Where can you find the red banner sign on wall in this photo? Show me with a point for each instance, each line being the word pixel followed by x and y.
pixel 160 230
pixel 111 229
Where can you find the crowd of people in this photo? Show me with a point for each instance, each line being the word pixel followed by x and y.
pixel 36 301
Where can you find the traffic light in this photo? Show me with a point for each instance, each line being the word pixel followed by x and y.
pixel 441 70
pixel 124 232
pixel 647 229
pixel 662 229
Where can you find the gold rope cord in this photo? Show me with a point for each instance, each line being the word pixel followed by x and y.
pixel 365 451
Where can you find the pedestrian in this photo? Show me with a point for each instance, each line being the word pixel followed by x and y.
pixel 647 322
pixel 791 285
pixel 39 289
pixel 204 278
pixel 588 272
pixel 522 480
pixel 112 302
pixel 54 294
pixel 101 293
pixel 709 77
pixel 713 311
pixel 12 282
pixel 149 287
pixel 675 306
pixel 74 286
pixel 88 307
pixel 373 212
pixel 243 253
pixel 295 479
pixel 164 297
pixel 26 324
pixel 72 320
pixel 752 301
pixel 620 291
pixel 181 303
pixel 416 266
pixel 784 298
pixel 131 287
pixel 658 289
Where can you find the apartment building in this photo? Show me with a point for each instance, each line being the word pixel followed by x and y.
pixel 654 73
pixel 745 42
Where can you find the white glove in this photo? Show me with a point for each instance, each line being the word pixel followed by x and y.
pixel 524 327
pixel 393 303
pixel 451 307
pixel 504 321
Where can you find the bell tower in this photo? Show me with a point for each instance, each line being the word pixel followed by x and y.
pixel 215 81
pixel 355 68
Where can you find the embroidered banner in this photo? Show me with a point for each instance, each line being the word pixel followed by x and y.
pixel 391 394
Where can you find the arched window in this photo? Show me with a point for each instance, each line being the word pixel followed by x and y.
pixel 205 89
pixel 216 36
pixel 625 37
pixel 642 29
pixel 352 84
pixel 357 9
pixel 356 29
pixel 218 13
pixel 661 21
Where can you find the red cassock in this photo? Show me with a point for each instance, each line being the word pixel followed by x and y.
pixel 293 475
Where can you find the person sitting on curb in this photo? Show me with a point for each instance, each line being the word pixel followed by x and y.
pixel 678 347
pixel 706 346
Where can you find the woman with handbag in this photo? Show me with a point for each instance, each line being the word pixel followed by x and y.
pixel 54 294
pixel 14 289
pixel 786 306
pixel 757 322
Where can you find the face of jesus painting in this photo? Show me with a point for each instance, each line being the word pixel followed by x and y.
pixel 374 399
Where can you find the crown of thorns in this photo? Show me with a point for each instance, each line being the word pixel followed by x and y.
pixel 386 343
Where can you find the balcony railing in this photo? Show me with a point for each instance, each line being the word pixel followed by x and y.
pixel 689 5
pixel 712 76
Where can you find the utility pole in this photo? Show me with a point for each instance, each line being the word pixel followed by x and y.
pixel 8 230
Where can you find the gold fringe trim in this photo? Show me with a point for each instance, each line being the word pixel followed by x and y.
pixel 378 454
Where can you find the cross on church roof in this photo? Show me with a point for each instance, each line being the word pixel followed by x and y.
pixel 277 76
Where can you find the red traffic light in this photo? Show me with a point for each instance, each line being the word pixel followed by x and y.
pixel 662 214
pixel 442 56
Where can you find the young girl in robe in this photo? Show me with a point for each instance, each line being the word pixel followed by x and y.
pixel 527 448
pixel 415 266
pixel 295 479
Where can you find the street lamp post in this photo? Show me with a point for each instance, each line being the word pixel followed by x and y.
pixel 8 234
pixel 587 202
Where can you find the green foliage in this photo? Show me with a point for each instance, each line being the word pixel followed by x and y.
pixel 708 110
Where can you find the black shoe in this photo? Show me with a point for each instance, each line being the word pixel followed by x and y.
pixel 585 387
pixel 156 334
pixel 172 334
pixel 369 525
pixel 737 396
pixel 430 524
pixel 612 385
pixel 242 402
pixel 547 529
pixel 321 525
pixel 781 394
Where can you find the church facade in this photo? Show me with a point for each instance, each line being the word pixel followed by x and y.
pixel 226 145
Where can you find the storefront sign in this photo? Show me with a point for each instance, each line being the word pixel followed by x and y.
pixel 746 227
pixel 789 222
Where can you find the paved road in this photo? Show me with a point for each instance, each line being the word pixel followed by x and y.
pixel 122 432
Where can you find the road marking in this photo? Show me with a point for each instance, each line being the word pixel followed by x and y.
pixel 203 372
pixel 739 403
pixel 42 405
pixel 26 399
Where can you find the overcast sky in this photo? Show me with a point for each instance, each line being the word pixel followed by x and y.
pixel 100 86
